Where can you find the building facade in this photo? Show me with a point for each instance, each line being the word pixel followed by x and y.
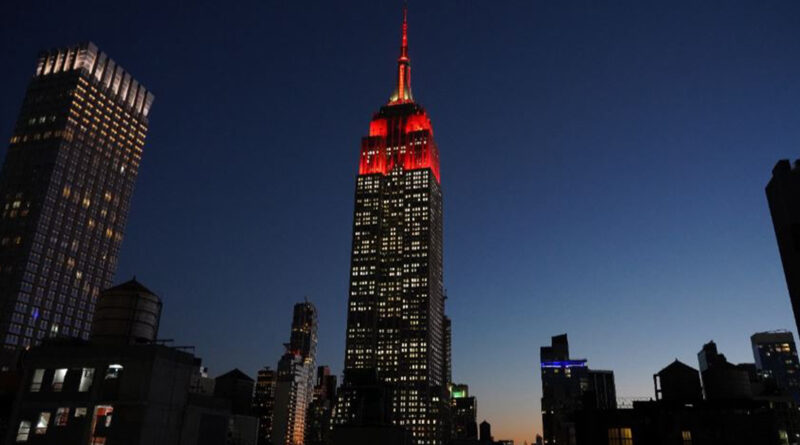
pixel 783 196
pixel 264 403
pixel 464 410
pixel 602 388
pixel 776 358
pixel 396 339
pixel 318 425
pixel 295 382
pixel 65 190
pixel 122 386
pixel 236 387
pixel 568 386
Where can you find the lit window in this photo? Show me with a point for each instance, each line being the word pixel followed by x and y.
pixel 80 412
pixel 113 371
pixel 100 422
pixel 41 424
pixel 620 436
pixel 687 437
pixel 87 375
pixel 36 383
pixel 24 431
pixel 58 379
pixel 62 416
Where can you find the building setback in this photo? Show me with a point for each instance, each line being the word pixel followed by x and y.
pixel 395 370
pixel 65 189
pixel 294 388
pixel 783 196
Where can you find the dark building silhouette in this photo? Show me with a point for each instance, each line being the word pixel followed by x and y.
pixel 370 421
pixel 678 382
pixel 722 379
pixel 396 327
pixel 709 356
pixel 602 391
pixel 568 385
pixel 264 403
pixel 486 432
pixel 464 409
pixel 237 387
pixel 9 385
pixel 65 190
pixel 294 387
pixel 318 425
pixel 121 386
pixel 775 356
pixel 783 196
pixel 729 414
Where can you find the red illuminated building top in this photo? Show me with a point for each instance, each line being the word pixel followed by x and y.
pixel 400 134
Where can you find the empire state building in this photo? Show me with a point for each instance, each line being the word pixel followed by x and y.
pixel 397 351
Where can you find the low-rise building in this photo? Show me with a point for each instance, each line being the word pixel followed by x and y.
pixel 120 387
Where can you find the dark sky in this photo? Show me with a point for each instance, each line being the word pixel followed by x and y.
pixel 603 169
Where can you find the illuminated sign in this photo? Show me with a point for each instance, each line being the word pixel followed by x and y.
pixel 565 364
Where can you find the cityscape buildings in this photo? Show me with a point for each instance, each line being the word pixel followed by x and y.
pixel 568 385
pixel 396 362
pixel 66 186
pixel 775 356
pixel 722 379
pixel 295 382
pixel 464 409
pixel 65 190
pixel 236 387
pixel 318 425
pixel 783 191
pixel 122 386
pixel 264 403
pixel 737 409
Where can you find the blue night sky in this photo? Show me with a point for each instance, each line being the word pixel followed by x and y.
pixel 603 170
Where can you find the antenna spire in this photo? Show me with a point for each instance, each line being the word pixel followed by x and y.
pixel 402 92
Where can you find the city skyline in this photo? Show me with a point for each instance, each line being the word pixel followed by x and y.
pixel 607 214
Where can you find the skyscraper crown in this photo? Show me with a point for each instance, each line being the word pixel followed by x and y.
pixel 402 92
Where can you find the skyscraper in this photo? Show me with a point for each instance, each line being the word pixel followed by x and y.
pixel 395 325
pixel 65 190
pixel 264 403
pixel 783 195
pixel 776 358
pixel 295 383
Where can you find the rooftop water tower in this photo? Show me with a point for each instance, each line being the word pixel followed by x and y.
pixel 126 314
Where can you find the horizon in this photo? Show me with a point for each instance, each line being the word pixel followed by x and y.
pixel 603 171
